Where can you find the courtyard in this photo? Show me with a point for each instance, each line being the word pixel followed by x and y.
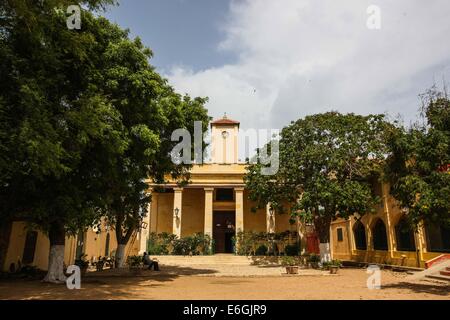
pixel 201 283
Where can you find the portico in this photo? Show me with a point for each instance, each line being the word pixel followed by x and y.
pixel 215 202
pixel 216 211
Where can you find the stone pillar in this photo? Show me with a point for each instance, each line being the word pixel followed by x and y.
pixel 177 206
pixel 350 237
pixel 208 228
pixel 145 229
pixel 420 244
pixel 389 228
pixel 153 213
pixel 270 219
pixel 239 209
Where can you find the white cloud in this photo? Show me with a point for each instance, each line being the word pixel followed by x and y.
pixel 303 57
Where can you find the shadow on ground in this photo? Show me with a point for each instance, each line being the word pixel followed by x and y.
pixel 421 287
pixel 106 284
pixel 167 271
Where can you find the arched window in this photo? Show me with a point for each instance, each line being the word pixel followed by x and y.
pixel 80 245
pixel 379 235
pixel 359 233
pixel 108 237
pixel 405 236
pixel 438 238
pixel 30 247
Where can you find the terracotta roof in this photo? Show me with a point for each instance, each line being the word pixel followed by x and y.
pixel 225 120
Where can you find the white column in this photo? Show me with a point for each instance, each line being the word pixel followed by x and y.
pixel 208 228
pixel 145 230
pixel 154 213
pixel 389 228
pixel 177 211
pixel 239 209
pixel 270 219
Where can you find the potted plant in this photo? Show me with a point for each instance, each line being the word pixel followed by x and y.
pixel 290 263
pixel 135 264
pixel 334 266
pixel 83 263
pixel 314 260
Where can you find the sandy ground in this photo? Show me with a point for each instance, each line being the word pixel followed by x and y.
pixel 348 284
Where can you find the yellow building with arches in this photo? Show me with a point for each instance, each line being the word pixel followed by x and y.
pixel 215 202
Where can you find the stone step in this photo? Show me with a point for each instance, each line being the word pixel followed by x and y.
pixel 438 277
pixel 445 272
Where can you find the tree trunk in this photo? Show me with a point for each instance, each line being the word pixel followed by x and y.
pixel 122 241
pixel 120 255
pixel 55 273
pixel 5 233
pixel 322 225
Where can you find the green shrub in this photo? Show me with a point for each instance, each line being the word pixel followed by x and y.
pixel 292 250
pixel 135 261
pixel 336 263
pixel 165 243
pixel 261 251
pixel 289 261
pixel 314 258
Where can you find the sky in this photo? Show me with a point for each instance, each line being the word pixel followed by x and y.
pixel 266 63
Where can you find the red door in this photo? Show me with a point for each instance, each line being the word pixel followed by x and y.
pixel 312 243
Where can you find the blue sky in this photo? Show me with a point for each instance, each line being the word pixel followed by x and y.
pixel 267 62
pixel 180 32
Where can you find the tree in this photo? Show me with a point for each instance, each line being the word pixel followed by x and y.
pixel 53 120
pixel 327 165
pixel 418 167
pixel 65 121
pixel 150 111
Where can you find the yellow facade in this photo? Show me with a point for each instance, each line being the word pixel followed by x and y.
pixel 215 197
pixel 94 247
pixel 198 207
pixel 390 214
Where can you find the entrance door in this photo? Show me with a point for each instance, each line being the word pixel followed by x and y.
pixel 223 231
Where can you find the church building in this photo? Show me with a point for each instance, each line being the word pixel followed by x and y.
pixel 216 203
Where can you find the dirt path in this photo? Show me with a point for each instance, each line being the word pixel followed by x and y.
pixel 349 284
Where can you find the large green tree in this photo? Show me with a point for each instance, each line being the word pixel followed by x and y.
pixel 150 111
pixel 419 165
pixel 80 110
pixel 54 120
pixel 327 164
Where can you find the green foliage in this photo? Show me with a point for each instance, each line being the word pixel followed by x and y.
pixel 314 258
pixel 85 120
pixel 292 250
pixel 135 261
pixel 328 163
pixel 418 166
pixel 251 243
pixel 261 250
pixel 332 263
pixel 164 244
pixel 289 261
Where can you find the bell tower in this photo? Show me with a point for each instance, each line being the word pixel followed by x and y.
pixel 224 140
